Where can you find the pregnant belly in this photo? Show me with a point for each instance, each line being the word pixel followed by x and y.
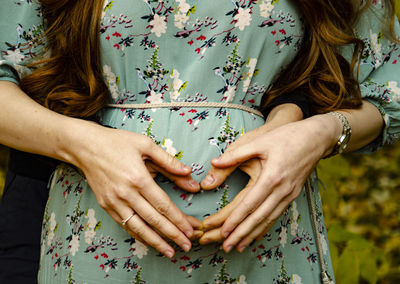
pixel 194 136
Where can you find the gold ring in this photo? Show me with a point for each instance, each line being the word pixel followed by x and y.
pixel 127 219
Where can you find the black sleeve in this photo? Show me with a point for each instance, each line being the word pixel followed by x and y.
pixel 31 165
pixel 297 97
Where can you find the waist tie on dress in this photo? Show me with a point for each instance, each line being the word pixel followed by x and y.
pixel 187 105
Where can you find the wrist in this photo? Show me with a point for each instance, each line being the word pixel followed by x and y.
pixel 328 128
pixel 75 138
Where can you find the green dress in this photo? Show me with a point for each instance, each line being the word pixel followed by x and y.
pixel 190 51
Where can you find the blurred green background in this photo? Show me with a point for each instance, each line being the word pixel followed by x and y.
pixel 362 213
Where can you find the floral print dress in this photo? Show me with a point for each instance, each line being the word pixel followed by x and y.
pixel 156 51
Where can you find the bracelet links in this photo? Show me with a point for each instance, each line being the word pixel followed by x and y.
pixel 344 137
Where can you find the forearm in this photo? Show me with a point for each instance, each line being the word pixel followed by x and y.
pixel 30 127
pixel 283 114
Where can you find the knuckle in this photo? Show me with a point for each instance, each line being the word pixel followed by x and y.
pixel 137 230
pixel 276 178
pixel 102 203
pixel 260 219
pixel 146 143
pixel 163 207
pixel 137 181
pixel 154 221
pixel 248 206
pixel 122 194
pixel 174 235
pixel 108 200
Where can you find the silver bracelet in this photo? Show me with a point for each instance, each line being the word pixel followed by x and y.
pixel 344 138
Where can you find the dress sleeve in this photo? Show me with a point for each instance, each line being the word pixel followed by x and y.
pixel 379 73
pixel 20 26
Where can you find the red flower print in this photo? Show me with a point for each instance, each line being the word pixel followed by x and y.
pixel 261 246
pixel 116 46
pixel 104 255
pixel 96 257
pixel 116 34
pixel 277 42
pixel 193 111
pixel 182 114
pixel 190 121
pixel 201 37
pixel 282 31
pixel 273 32
pixel 252 101
pixel 198 50
pixel 190 42
pixel 394 61
pixel 108 37
pixel 185 257
pixel 102 266
pixel 174 260
pixel 182 268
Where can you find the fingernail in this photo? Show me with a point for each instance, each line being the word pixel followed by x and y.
pixel 169 253
pixel 197 234
pixel 208 180
pixel 189 234
pixel 225 234
pixel 186 247
pixel 187 168
pixel 193 183
pixel 241 249
pixel 228 248
pixel 216 159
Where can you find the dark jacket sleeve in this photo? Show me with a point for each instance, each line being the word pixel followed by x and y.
pixel 298 98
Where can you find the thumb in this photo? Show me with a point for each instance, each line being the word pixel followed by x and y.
pixel 215 177
pixel 236 156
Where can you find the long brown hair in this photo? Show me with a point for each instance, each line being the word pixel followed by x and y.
pixel 70 81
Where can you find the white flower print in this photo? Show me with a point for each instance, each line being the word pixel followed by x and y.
pixel 155 98
pixel 392 85
pixel 243 18
pixel 377 47
pixel 324 244
pixel 283 236
pixel 230 93
pixel 140 249
pixel 183 6
pixel 294 225
pixel 159 25
pixel 266 8
pixel 176 85
pixel 14 56
pixel 91 225
pixel 241 279
pixel 111 81
pixel 181 16
pixel 252 67
pixel 168 146
pixel 74 244
pixel 180 20
pixel 52 227
pixel 296 279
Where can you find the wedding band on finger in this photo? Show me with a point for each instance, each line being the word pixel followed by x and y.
pixel 127 219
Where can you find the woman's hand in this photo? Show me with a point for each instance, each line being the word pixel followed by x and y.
pixel 119 167
pixel 278 162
